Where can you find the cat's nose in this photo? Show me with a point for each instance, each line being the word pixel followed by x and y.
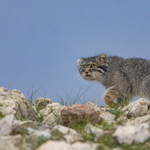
pixel 86 72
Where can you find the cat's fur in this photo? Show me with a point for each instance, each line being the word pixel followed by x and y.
pixel 122 78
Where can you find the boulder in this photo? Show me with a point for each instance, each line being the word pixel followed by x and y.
pixel 60 145
pixel 138 108
pixel 108 117
pixel 46 133
pixel 10 142
pixel 79 114
pixel 59 129
pixel 106 109
pixel 139 120
pixel 72 138
pixel 126 135
pixel 14 102
pixel 92 105
pixel 54 108
pixel 89 128
pixel 24 124
pixel 41 103
pixel 50 120
pixel 6 125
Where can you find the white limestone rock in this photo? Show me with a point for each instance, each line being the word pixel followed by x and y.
pixel 14 102
pixel 138 108
pixel 128 134
pixel 89 128
pixel 54 108
pixel 139 120
pixel 50 120
pixel 41 103
pixel 105 109
pixel 110 118
pixel 45 133
pixel 122 118
pixel 96 108
pixel 85 146
pixel 60 145
pixel 11 140
pixel 72 138
pixel 59 129
pixel 24 124
pixel 6 125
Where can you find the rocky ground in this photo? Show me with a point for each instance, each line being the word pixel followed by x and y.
pixel 44 125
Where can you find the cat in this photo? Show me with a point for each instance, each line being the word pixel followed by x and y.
pixel 122 78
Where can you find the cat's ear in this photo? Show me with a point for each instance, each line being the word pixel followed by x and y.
pixel 80 60
pixel 102 58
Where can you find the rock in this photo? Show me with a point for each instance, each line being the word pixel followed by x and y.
pixel 128 134
pixel 59 131
pixel 63 130
pixel 10 142
pixel 108 117
pixel 72 138
pixel 50 120
pixel 29 134
pixel 60 145
pixel 25 124
pixel 122 119
pixel 15 140
pixel 106 114
pixel 79 114
pixel 6 125
pixel 42 127
pixel 92 105
pixel 19 126
pixel 46 134
pixel 118 148
pixel 14 102
pixel 41 102
pixel 32 142
pixel 54 108
pixel 17 129
pixel 105 109
pixel 55 145
pixel 138 108
pixel 139 120
pixel 4 110
pixel 85 146
pixel 89 128
pixel 7 146
pixel 26 145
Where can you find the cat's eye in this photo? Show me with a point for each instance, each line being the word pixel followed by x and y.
pixel 93 65
pixel 83 66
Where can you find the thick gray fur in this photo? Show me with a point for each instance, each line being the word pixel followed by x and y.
pixel 122 78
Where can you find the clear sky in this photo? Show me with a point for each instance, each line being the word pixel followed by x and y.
pixel 40 42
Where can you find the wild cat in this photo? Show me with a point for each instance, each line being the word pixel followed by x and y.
pixel 122 78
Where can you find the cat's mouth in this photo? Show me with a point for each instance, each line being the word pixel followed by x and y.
pixel 87 75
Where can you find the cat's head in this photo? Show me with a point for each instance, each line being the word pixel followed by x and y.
pixel 93 68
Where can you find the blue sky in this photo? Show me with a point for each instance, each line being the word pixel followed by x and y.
pixel 40 42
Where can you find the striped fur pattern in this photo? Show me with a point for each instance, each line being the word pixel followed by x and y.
pixel 122 78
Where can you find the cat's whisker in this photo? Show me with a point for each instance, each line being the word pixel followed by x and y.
pixel 77 78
